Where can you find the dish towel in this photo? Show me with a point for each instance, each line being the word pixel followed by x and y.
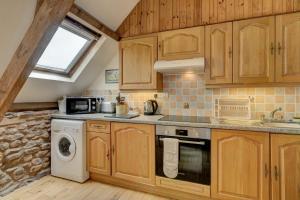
pixel 170 157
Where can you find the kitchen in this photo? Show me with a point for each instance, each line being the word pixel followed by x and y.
pixel 198 100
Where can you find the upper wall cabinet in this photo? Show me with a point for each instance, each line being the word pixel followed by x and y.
pixel 218 53
pixel 288 48
pixel 137 58
pixel 254 50
pixel 181 44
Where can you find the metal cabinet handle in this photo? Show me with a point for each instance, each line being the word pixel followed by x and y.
pixel 272 48
pixel 279 48
pixel 276 173
pixel 108 155
pixel 230 52
pixel 266 170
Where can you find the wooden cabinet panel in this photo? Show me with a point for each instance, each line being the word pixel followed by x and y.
pixel 288 51
pixel 218 53
pixel 285 162
pixel 133 148
pixel 99 153
pixel 253 44
pixel 137 59
pixel 181 44
pixel 240 165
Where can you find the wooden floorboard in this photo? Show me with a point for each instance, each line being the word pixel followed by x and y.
pixel 51 188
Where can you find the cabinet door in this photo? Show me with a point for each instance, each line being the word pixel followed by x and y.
pixel 288 51
pixel 137 59
pixel 240 165
pixel 99 153
pixel 218 53
pixel 133 148
pixel 285 162
pixel 181 44
pixel 254 50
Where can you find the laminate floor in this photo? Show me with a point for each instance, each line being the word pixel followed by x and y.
pixel 51 188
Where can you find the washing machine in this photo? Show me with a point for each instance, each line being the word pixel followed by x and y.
pixel 68 150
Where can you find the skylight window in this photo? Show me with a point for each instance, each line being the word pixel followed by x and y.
pixel 69 44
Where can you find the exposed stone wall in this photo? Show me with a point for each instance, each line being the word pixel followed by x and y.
pixel 24 149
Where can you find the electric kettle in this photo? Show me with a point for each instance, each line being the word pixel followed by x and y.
pixel 150 107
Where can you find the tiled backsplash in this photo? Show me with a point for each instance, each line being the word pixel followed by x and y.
pixel 190 88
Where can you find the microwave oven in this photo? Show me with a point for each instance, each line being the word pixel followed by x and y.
pixel 80 105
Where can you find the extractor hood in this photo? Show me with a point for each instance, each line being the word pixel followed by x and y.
pixel 194 65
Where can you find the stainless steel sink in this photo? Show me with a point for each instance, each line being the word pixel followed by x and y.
pixel 282 124
pixel 266 123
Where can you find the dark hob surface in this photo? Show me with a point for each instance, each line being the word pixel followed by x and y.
pixel 191 119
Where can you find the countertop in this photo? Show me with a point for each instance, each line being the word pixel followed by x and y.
pixel 154 119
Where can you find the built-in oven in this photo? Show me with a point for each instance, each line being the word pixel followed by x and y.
pixel 80 105
pixel 193 152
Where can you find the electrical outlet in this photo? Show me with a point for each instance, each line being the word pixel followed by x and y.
pixel 186 105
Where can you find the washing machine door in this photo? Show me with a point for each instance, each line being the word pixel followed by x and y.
pixel 65 147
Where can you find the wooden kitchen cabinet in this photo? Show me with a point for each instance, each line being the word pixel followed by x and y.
pixel 288 51
pixel 218 53
pixel 285 163
pixel 254 50
pixel 137 58
pixel 181 44
pixel 99 153
pixel 133 152
pixel 240 165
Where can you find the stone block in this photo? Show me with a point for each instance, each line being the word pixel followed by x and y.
pixel 4 146
pixel 16 143
pixel 36 161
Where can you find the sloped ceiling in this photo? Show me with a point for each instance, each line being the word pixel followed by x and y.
pixel 110 12
pixel 16 17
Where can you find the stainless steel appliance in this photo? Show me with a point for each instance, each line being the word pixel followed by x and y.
pixel 194 152
pixel 150 107
pixel 81 105
pixel 108 107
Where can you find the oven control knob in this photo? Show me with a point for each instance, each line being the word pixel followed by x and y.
pixel 93 107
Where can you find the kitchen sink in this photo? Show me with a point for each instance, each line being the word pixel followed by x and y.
pixel 281 124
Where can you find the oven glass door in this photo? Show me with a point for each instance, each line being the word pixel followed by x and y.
pixel 194 160
pixel 78 106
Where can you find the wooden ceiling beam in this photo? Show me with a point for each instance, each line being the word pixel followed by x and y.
pixel 44 25
pixel 85 16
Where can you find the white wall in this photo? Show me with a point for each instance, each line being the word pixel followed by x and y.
pixel 15 18
pixel 99 83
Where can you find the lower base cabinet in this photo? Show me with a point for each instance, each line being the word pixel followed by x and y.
pixel 285 162
pixel 99 153
pixel 133 152
pixel 240 165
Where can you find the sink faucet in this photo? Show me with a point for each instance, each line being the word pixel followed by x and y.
pixel 272 114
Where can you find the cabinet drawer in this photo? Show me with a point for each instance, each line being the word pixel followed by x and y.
pixel 183 186
pixel 98 126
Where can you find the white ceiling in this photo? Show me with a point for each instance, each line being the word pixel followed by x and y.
pixel 110 12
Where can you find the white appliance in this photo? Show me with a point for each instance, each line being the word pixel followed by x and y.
pixel 194 65
pixel 68 150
